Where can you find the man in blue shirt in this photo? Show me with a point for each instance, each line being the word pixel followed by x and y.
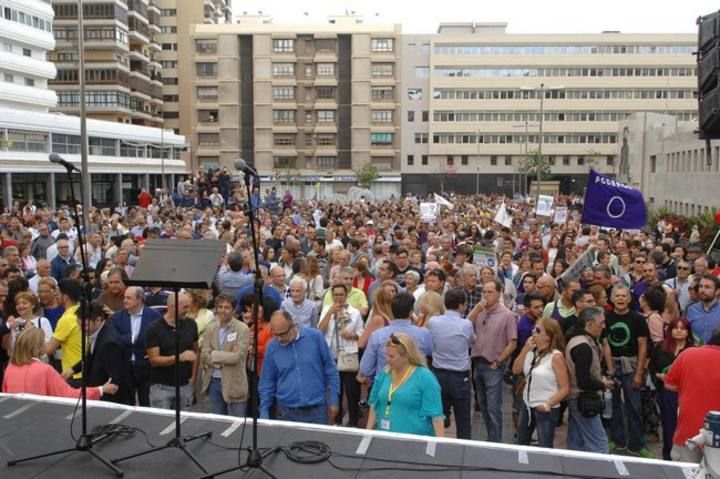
pixel 373 359
pixel 704 316
pixel 297 372
pixel 452 338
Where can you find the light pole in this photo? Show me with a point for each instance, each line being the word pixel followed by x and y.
pixel 523 187
pixel 477 174
pixel 84 165
pixel 540 144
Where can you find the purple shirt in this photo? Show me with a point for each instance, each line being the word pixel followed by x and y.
pixel 494 330
pixel 525 326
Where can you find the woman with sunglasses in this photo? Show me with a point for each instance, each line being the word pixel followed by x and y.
pixel 406 395
pixel 546 382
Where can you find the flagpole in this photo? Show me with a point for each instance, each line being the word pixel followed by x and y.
pixel 713 243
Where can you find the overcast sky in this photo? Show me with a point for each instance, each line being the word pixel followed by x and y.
pixel 522 16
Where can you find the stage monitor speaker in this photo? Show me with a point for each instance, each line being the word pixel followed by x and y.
pixel 708 73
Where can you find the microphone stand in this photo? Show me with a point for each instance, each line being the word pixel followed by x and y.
pixel 86 441
pixel 255 458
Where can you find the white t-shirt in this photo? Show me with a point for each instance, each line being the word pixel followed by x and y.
pixel 543 383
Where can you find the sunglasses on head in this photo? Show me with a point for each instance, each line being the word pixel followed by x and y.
pixel 395 340
pixel 536 330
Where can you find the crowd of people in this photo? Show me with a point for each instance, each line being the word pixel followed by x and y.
pixel 370 309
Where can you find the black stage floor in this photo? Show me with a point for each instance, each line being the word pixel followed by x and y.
pixel 31 425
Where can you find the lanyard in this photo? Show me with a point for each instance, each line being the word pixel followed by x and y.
pixel 392 390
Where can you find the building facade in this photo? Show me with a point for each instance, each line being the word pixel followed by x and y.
pixel 307 105
pixel 123 73
pixel 665 160
pixel 476 100
pixel 123 157
pixel 176 56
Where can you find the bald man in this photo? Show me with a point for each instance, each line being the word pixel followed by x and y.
pixel 160 348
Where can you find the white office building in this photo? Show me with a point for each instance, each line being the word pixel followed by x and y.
pixel 122 158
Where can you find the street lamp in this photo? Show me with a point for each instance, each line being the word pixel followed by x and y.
pixel 477 175
pixel 525 125
pixel 540 132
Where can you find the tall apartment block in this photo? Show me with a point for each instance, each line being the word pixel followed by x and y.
pixel 176 56
pixel 123 73
pixel 307 105
pixel 475 100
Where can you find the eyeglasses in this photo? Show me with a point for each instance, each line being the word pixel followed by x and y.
pixel 683 268
pixel 639 261
pixel 396 341
pixel 285 333
pixel 537 330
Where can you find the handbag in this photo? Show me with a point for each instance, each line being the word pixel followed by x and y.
pixel 589 403
pixel 346 362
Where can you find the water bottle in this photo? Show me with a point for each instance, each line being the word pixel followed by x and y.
pixel 607 404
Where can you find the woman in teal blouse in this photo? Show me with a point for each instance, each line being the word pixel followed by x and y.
pixel 406 395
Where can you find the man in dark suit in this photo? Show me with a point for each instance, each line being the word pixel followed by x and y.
pixel 105 356
pixel 131 324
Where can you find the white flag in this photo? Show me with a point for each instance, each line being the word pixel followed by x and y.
pixel 440 200
pixel 502 216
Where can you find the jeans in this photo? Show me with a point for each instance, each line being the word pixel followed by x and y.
pixel 218 404
pixel 456 392
pixel 633 410
pixel 488 383
pixel 543 422
pixel 585 433
pixel 351 388
pixel 668 402
pixel 163 396
pixel 311 414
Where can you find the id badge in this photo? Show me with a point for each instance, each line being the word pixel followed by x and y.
pixel 385 424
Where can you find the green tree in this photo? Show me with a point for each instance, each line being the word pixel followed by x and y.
pixel 534 162
pixel 367 174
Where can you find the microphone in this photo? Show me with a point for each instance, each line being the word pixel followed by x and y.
pixel 241 165
pixel 57 159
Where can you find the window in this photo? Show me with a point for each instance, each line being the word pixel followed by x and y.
pixel 65 143
pixel 326 139
pixel 168 29
pixel 284 139
pixel 382 93
pixel 421 138
pixel 207 93
pixel 66 57
pixel 283 45
pixel 169 63
pixel 450 160
pixel 206 69
pixel 206 46
pixel 27 52
pixel 168 12
pixel 326 116
pixel 414 93
pixel 411 160
pixel 382 69
pixel 411 116
pixel 464 160
pixel 283 92
pixel 422 72
pixel 208 116
pixel 29 82
pixel 283 69
pixel 284 161
pixel 382 45
pixel 169 47
pixel 566 161
pixel 102 146
pixel 326 69
pixel 283 116
pixel 424 160
pixel 381 139
pixel 20 140
pixel 425 49
pixel 170 98
pixel 9 78
pixel 382 116
pixel 171 115
pixel 208 139
pixel 508 161
pixel 326 92
pixel 610 160
pixel 326 162
pixel 308 71
pixel 169 80
pixel 425 115
pixel 581 160
pixel 653 163
pixel 493 160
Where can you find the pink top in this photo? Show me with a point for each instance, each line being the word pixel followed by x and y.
pixel 42 379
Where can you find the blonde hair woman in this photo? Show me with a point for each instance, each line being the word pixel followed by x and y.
pixel 381 314
pixel 428 305
pixel 199 311
pixel 27 374
pixel 406 395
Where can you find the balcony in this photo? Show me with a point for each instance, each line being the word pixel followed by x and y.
pixel 138 56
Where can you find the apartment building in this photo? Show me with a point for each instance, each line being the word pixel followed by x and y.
pixel 475 100
pixel 307 105
pixel 122 157
pixel 176 56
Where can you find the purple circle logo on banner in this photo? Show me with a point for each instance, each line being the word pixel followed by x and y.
pixel 616 207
